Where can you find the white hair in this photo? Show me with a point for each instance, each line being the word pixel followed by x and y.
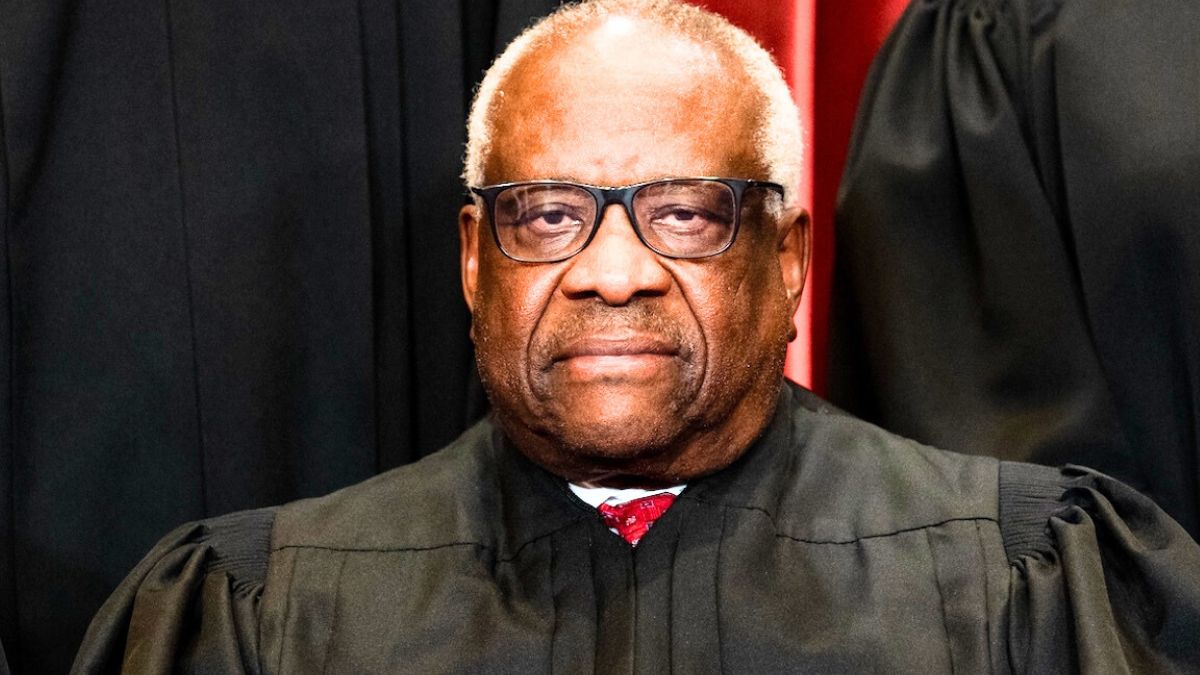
pixel 778 140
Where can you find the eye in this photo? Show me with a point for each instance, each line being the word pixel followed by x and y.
pixel 554 217
pixel 682 215
pixel 682 219
pixel 540 221
pixel 549 220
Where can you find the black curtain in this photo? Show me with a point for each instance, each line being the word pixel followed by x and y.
pixel 1018 238
pixel 230 270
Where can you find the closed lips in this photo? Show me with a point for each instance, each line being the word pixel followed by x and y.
pixel 617 346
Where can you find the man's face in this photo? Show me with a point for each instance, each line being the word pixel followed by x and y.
pixel 618 365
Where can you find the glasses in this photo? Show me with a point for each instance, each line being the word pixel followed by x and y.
pixel 550 221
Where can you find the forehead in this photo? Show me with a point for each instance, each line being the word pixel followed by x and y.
pixel 623 102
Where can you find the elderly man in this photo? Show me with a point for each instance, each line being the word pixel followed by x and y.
pixel 631 337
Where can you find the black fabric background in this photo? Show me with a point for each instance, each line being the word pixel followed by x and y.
pixel 1018 238
pixel 230 270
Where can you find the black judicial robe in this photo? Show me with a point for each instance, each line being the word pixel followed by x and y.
pixel 1018 246
pixel 830 547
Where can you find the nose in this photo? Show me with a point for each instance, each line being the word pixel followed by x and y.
pixel 616 266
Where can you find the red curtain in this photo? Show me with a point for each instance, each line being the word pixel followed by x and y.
pixel 825 48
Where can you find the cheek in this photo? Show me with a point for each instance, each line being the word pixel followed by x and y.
pixel 742 313
pixel 509 303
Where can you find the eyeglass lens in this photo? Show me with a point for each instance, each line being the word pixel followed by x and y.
pixel 682 218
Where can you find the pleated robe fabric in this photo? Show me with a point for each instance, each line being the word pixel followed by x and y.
pixel 830 547
pixel 230 270
pixel 1018 246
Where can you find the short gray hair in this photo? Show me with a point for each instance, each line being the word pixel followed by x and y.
pixel 778 140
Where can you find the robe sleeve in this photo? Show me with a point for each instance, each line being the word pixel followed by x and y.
pixel 1102 581
pixel 190 606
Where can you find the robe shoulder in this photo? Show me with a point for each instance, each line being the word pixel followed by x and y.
pixel 847 479
pixel 1098 565
pixel 192 603
pixel 1100 579
pixel 207 576
pixel 449 498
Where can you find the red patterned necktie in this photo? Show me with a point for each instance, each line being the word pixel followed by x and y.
pixel 633 518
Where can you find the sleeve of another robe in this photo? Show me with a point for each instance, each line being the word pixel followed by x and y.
pixel 190 606
pixel 1017 249
pixel 1102 581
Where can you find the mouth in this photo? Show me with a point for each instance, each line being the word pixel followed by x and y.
pixel 601 346
pixel 609 355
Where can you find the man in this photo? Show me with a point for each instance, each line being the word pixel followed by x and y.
pixel 631 339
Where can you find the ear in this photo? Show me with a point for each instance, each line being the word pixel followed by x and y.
pixel 468 241
pixel 794 247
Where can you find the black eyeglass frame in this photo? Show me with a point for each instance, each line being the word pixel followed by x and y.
pixel 624 195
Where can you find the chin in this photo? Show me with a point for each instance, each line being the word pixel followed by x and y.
pixel 587 447
pixel 617 421
pixel 616 439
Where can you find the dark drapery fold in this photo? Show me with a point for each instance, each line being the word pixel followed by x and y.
pixel 230 270
pixel 1017 250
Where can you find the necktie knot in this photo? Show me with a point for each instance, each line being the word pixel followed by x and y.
pixel 632 519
